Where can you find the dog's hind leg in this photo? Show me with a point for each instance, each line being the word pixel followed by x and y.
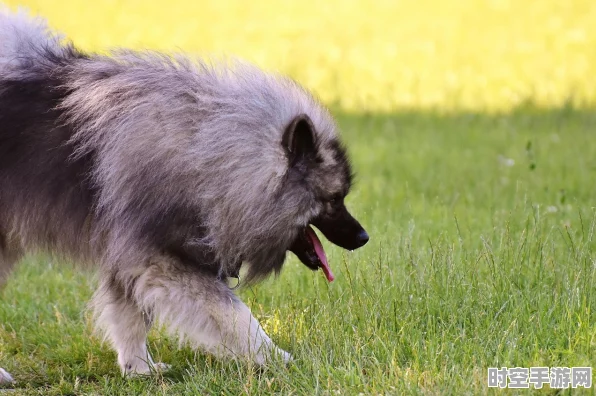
pixel 126 326
pixel 204 311
pixel 10 254
pixel 5 378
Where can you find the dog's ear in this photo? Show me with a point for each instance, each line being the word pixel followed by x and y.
pixel 299 140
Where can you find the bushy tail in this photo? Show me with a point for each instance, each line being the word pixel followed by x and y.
pixel 25 39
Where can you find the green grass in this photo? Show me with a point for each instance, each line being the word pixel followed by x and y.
pixel 482 224
pixel 482 254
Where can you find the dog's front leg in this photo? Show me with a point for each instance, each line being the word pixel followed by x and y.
pixel 203 310
pixel 242 334
pixel 126 327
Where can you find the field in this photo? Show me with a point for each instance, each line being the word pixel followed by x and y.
pixel 471 129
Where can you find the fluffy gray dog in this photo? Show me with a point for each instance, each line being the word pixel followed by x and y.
pixel 169 174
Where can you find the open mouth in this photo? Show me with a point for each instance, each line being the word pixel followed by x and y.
pixel 310 251
pixel 340 229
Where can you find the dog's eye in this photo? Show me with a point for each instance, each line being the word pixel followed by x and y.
pixel 335 199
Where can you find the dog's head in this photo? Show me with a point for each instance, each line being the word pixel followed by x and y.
pixel 320 170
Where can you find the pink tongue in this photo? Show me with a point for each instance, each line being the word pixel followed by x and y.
pixel 320 254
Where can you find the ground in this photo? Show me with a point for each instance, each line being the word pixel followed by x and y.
pixel 471 130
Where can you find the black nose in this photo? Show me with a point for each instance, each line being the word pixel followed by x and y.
pixel 362 238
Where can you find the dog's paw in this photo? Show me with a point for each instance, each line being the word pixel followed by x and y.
pixel 160 367
pixel 286 357
pixel 279 355
pixel 273 355
pixel 5 378
pixel 147 370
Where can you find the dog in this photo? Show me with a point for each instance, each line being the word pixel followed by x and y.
pixel 168 174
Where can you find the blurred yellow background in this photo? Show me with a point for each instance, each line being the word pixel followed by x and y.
pixel 370 55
